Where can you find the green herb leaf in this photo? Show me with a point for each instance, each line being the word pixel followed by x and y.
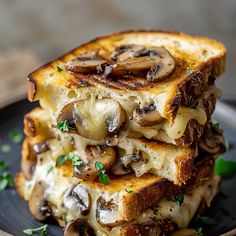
pixel 5 148
pixel 63 126
pixel 207 220
pixel 103 178
pixel 59 69
pixel 193 104
pixel 43 230
pixel 216 125
pixel 3 165
pixel 63 216
pixel 50 168
pixel 188 71
pixel 61 160
pixel 6 180
pixel 225 168
pixel 99 166
pixel 199 231
pixel 75 159
pixel 109 121
pixel 128 191
pixel 16 136
pixel 179 199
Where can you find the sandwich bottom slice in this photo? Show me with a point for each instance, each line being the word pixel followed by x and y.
pixel 128 205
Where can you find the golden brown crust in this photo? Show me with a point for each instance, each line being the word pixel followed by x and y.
pixel 211 66
pixel 132 205
pixel 20 183
pixel 32 88
pixel 157 228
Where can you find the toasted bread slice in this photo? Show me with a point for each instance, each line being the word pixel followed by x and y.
pixel 140 156
pixel 197 60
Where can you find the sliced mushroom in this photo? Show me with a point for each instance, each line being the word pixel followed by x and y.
pixel 40 147
pixel 88 116
pixel 78 200
pixel 156 61
pixel 147 116
pixel 185 232
pixel 87 64
pixel 107 213
pixel 38 205
pixel 120 169
pixel 125 51
pixel 105 155
pixel 79 227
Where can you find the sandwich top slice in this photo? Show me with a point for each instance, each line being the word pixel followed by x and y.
pixel 149 83
pixel 126 204
pixel 128 155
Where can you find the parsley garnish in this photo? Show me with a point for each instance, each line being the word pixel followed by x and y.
pixel 128 191
pixel 63 216
pixel 216 125
pixel 43 230
pixel 207 220
pixel 63 126
pixel 75 159
pixel 6 180
pixel 103 177
pixel 50 168
pixel 188 71
pixel 179 199
pixel 16 136
pixel 5 148
pixel 109 121
pixel 199 231
pixel 225 168
pixel 3 165
pixel 59 69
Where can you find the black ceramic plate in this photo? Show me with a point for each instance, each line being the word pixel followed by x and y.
pixel 14 214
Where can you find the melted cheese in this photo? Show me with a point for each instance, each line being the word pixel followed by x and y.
pixel 94 114
pixel 57 184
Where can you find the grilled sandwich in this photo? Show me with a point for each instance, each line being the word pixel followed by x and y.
pixel 138 156
pixel 157 85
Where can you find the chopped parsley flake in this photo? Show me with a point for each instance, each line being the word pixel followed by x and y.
pixel 188 71
pixel 199 231
pixel 178 199
pixel 3 165
pixel 63 126
pixel 16 136
pixel 225 168
pixel 50 168
pixel 75 159
pixel 103 177
pixel 59 69
pixel 43 230
pixel 6 180
pixel 5 148
pixel 128 191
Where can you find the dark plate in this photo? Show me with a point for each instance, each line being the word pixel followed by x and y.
pixel 14 214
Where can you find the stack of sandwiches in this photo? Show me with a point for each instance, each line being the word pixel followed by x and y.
pixel 123 142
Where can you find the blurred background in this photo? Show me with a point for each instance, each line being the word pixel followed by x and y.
pixel 34 32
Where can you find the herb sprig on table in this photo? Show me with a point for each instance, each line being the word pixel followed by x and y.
pixel 42 229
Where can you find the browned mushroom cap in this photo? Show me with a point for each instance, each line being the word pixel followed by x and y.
pixel 157 61
pixel 109 117
pixel 105 155
pixel 87 64
pixel 107 213
pixel 78 200
pixel 78 228
pixel 125 51
pixel 147 116
pixel 37 203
